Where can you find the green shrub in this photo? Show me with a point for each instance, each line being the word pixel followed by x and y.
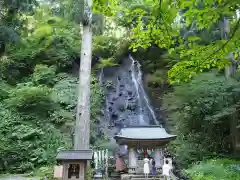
pixel 56 44
pixel 44 75
pixel 89 174
pixel 158 78
pixel 26 97
pixel 223 169
pixel 26 143
pixel 104 46
pixel 202 112
pixel 38 98
pixel 110 50
pixel 36 121
pixel 45 172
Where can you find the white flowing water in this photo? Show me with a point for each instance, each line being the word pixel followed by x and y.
pixel 136 74
pixel 135 78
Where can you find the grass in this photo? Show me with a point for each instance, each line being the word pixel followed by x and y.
pixel 216 169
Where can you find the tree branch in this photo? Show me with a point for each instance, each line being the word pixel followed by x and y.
pixel 230 38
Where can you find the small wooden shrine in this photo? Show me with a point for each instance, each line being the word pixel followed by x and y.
pixel 143 137
pixel 74 163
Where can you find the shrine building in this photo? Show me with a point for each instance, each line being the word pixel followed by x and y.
pixel 153 138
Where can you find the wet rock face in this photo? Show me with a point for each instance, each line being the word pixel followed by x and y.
pixel 125 97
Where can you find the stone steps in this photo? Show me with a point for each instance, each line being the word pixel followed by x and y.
pixel 139 168
pixel 141 177
pixel 149 178
pixel 156 178
pixel 140 165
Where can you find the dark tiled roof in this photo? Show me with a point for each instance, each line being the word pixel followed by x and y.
pixel 74 155
pixel 144 133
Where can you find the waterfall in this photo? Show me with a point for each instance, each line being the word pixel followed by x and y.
pixel 136 74
pixel 126 102
pixel 135 79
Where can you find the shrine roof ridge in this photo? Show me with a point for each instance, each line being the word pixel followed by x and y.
pixel 144 133
pixel 144 126
pixel 74 155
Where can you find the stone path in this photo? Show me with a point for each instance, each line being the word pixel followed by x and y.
pixel 18 177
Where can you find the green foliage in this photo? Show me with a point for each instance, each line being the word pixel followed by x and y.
pixel 65 90
pixel 39 92
pixel 104 46
pixel 44 75
pixel 110 50
pixel 202 112
pixel 96 98
pixel 223 169
pixel 30 98
pixel 106 63
pixel 106 7
pixel 45 172
pixel 29 119
pixel 158 78
pixel 4 91
pixel 56 44
pixel 26 141
pixel 89 174
pixel 188 30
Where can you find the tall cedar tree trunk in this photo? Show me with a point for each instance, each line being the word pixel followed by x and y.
pixel 229 71
pixel 82 127
pixel 225 30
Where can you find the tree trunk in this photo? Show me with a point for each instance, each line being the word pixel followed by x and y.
pixel 230 71
pixel 225 30
pixel 82 127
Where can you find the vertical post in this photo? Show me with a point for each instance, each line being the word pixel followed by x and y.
pixel 96 159
pixel 106 157
pixel 132 162
pixel 99 159
pixel 103 157
pixel 158 156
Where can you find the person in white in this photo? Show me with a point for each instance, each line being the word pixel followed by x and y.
pixel 166 170
pixel 146 168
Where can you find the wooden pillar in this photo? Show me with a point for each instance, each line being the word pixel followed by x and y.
pixel 96 159
pixel 132 161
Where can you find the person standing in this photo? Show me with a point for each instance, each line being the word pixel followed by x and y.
pixel 120 165
pixel 154 169
pixel 146 168
pixel 166 170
